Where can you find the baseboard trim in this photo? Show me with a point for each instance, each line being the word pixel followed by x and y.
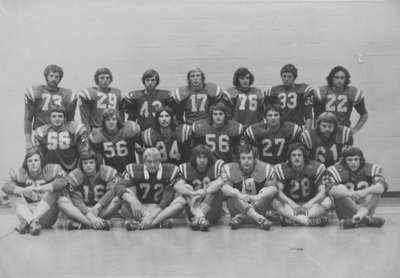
pixel 391 194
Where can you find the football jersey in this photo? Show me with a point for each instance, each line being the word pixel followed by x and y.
pixel 296 102
pixel 361 179
pixel 20 177
pixel 247 105
pixel 201 180
pixel 339 103
pixel 93 103
pixel 62 145
pixel 327 151
pixel 273 145
pixel 195 103
pixel 92 188
pixel 174 147
pixel 300 187
pixel 248 184
pixel 152 188
pixel 142 106
pixel 38 101
pixel 221 141
pixel 118 150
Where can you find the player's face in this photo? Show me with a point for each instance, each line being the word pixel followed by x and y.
pixel 288 79
pixel 244 81
pixel 111 123
pixel 53 78
pixel 33 163
pixel 164 119
pixel 218 117
pixel 152 162
pixel 195 78
pixel 247 161
pixel 339 79
pixel 353 162
pixel 89 166
pixel 150 83
pixel 273 118
pixel 201 162
pixel 104 80
pixel 57 119
pixel 326 129
pixel 297 158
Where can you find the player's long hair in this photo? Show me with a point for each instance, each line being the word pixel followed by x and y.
pixel 329 78
pixel 203 76
pixel 298 146
pixel 242 72
pixel 327 117
pixel 171 113
pixel 199 150
pixel 53 68
pixel 219 106
pixel 107 114
pixel 352 151
pixel 90 154
pixel 30 154
pixel 102 71
pixel 150 73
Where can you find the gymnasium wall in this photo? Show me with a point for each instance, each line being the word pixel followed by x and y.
pixel 219 36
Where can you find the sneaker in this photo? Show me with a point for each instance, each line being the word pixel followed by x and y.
pixel 236 221
pixel 273 216
pixel 375 222
pixel 194 224
pixel 167 224
pixel 71 225
pixel 23 227
pixel 264 224
pixel 131 225
pixel 35 228
pixel 107 225
pixel 320 221
pixel 204 224
pixel 348 223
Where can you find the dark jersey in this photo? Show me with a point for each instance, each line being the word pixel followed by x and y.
pixel 303 186
pixel 198 179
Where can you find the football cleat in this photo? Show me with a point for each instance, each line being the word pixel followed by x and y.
pixel 71 225
pixel 273 216
pixel 320 221
pixel 131 225
pixel 23 227
pixel 35 228
pixel 204 224
pixel 264 224
pixel 107 225
pixel 348 223
pixel 236 221
pixel 194 224
pixel 166 224
pixel 375 222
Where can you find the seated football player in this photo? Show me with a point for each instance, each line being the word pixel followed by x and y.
pixel 142 105
pixel 94 100
pixel 326 142
pixel 172 141
pixel 148 188
pixel 193 100
pixel 60 142
pixel 219 134
pixel 247 101
pixel 250 186
pixel 302 197
pixel 115 140
pixel 32 190
pixel 272 137
pixel 356 187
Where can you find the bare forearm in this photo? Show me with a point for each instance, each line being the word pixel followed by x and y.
pixel 229 191
pixel 361 121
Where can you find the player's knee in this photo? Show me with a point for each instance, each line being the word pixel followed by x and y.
pixel 276 204
pixel 62 202
pixel 120 190
pixel 327 203
pixel 179 201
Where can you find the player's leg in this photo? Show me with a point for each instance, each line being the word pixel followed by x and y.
pixel 288 213
pixel 174 209
pixel 72 212
pixel 23 212
pixel 371 203
pixel 110 209
pixel 212 206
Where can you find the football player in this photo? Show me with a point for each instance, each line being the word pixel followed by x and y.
pixel 272 137
pixel 247 102
pixel 172 141
pixel 115 140
pixel 221 135
pixel 340 98
pixel 38 100
pixel 326 142
pixel 356 187
pixel 302 196
pixel 250 186
pixel 295 99
pixel 94 100
pixel 61 142
pixel 194 100
pixel 141 105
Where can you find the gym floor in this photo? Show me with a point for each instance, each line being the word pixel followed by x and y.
pixel 179 252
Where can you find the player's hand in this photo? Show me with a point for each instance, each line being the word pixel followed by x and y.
pixel 145 224
pixel 96 222
pixel 196 200
pixel 95 210
pixel 298 210
pixel 359 194
pixel 200 193
pixel 328 180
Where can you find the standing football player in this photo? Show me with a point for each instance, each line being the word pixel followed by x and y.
pixel 193 101
pixel 250 186
pixel 340 98
pixel 273 137
pixel 219 134
pixel 141 105
pixel 61 142
pixel 295 100
pixel 247 102
pixel 356 187
pixel 115 140
pixel 94 100
pixel 326 142
pixel 302 196
pixel 38 100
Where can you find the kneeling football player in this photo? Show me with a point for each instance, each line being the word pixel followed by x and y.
pixel 250 186
pixel 356 187
pixel 302 196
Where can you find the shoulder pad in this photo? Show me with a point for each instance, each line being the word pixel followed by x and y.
pixel 334 172
pixel 234 128
pixel 184 132
pixel 107 173
pixel 135 171
pixel 180 94
pixel 318 169
pixel 131 129
pixel 263 170
pixel 52 171
pixel 75 177
pixel 76 128
pixel 355 94
pixel 115 91
pixel 306 139
pixel 321 92
pixel 218 167
pixel 200 127
pixel 18 174
pixel 231 172
pixel 133 95
pixel 170 171
pixel 42 130
pixel 280 171
pixel 96 136
pixel 343 135
pixel 372 169
pixel 149 137
pixel 183 168
pixel 213 90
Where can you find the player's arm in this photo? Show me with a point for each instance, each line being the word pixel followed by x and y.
pixel 28 118
pixel 362 111
pixel 308 107
pixel 10 187
pixel 71 108
pixel 183 188
pixel 85 108
pixel 213 187
pixel 54 186
pixel 317 198
pixel 285 199
pixel 128 104
pixel 82 142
